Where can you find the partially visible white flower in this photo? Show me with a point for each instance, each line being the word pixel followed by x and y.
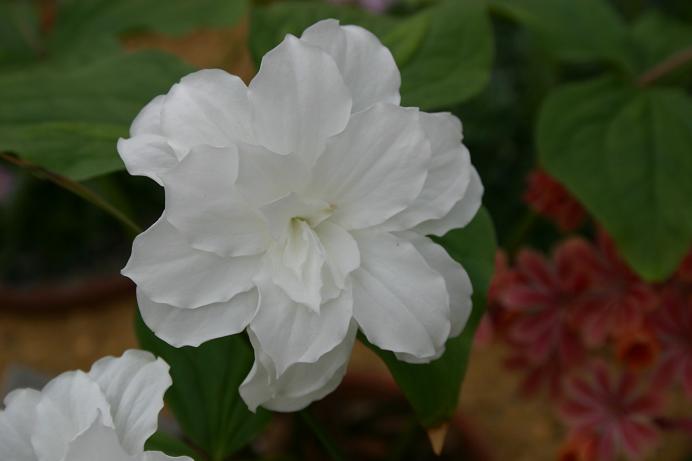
pixel 106 414
pixel 297 208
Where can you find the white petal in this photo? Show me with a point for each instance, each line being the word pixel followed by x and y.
pixel 264 176
pixel 203 203
pixel 296 265
pixel 456 279
pixel 461 213
pixel 134 385
pixel 298 99
pixel 170 271
pixel 367 66
pixel 290 333
pixel 449 172
pixel 97 442
pixel 301 384
pixel 17 423
pixel 148 121
pixel 207 107
pixel 375 168
pixel 192 327
pixel 69 405
pixel 399 301
pixel 147 155
pixel 341 250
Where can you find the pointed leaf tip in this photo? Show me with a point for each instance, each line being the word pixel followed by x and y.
pixel 437 436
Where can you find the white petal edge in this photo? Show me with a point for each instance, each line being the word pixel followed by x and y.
pixel 209 106
pixel 461 213
pixel 367 66
pixel 400 303
pixel 169 271
pixel 148 121
pixel 17 422
pixel 301 384
pixel 192 327
pixel 298 99
pixel 133 385
pixel 290 333
pixel 147 155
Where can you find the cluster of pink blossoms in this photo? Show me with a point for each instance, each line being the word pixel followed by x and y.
pixel 607 347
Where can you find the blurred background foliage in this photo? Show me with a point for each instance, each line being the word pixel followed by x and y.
pixel 595 92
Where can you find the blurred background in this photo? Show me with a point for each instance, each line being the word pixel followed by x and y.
pixel 578 117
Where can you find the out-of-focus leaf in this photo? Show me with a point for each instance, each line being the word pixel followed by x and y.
pixel 161 441
pixel 433 388
pixel 574 30
pixel 626 154
pixel 454 61
pixel 68 119
pixel 658 37
pixel 204 396
pixel 80 21
pixel 19 34
pixel 444 52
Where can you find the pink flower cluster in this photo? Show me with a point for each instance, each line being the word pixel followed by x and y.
pixel 606 345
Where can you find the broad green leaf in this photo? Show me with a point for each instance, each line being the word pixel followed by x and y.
pixel 433 388
pixel 626 153
pixel 80 21
pixel 68 119
pixel 204 396
pixel 657 38
pixel 165 443
pixel 20 40
pixel 444 52
pixel 573 30
pixel 453 63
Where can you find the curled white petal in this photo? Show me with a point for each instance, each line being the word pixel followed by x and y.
pixel 17 422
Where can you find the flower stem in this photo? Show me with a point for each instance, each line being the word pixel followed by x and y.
pixel 76 188
pixel 327 443
pixel 666 66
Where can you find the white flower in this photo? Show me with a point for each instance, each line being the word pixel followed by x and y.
pixel 106 414
pixel 296 208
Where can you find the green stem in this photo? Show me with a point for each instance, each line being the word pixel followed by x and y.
pixel 76 188
pixel 327 443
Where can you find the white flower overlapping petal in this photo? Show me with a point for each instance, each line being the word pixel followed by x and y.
pixel 106 414
pixel 297 209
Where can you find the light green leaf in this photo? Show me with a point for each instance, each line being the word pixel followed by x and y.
pixel 20 40
pixel 626 153
pixel 433 388
pixel 453 63
pixel 573 30
pixel 204 396
pixel 68 119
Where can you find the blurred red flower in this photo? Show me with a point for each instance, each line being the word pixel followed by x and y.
pixel 615 412
pixel 617 301
pixel 549 198
pixel 638 349
pixel 540 296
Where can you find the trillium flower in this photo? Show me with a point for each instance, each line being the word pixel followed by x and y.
pixel 297 208
pixel 105 414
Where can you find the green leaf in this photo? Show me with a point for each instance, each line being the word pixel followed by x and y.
pixel 68 119
pixel 204 396
pixel 658 37
pixel 573 30
pixel 161 441
pixel 454 61
pixel 433 388
pixel 20 40
pixel 625 153
pixel 81 21
pixel 444 52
